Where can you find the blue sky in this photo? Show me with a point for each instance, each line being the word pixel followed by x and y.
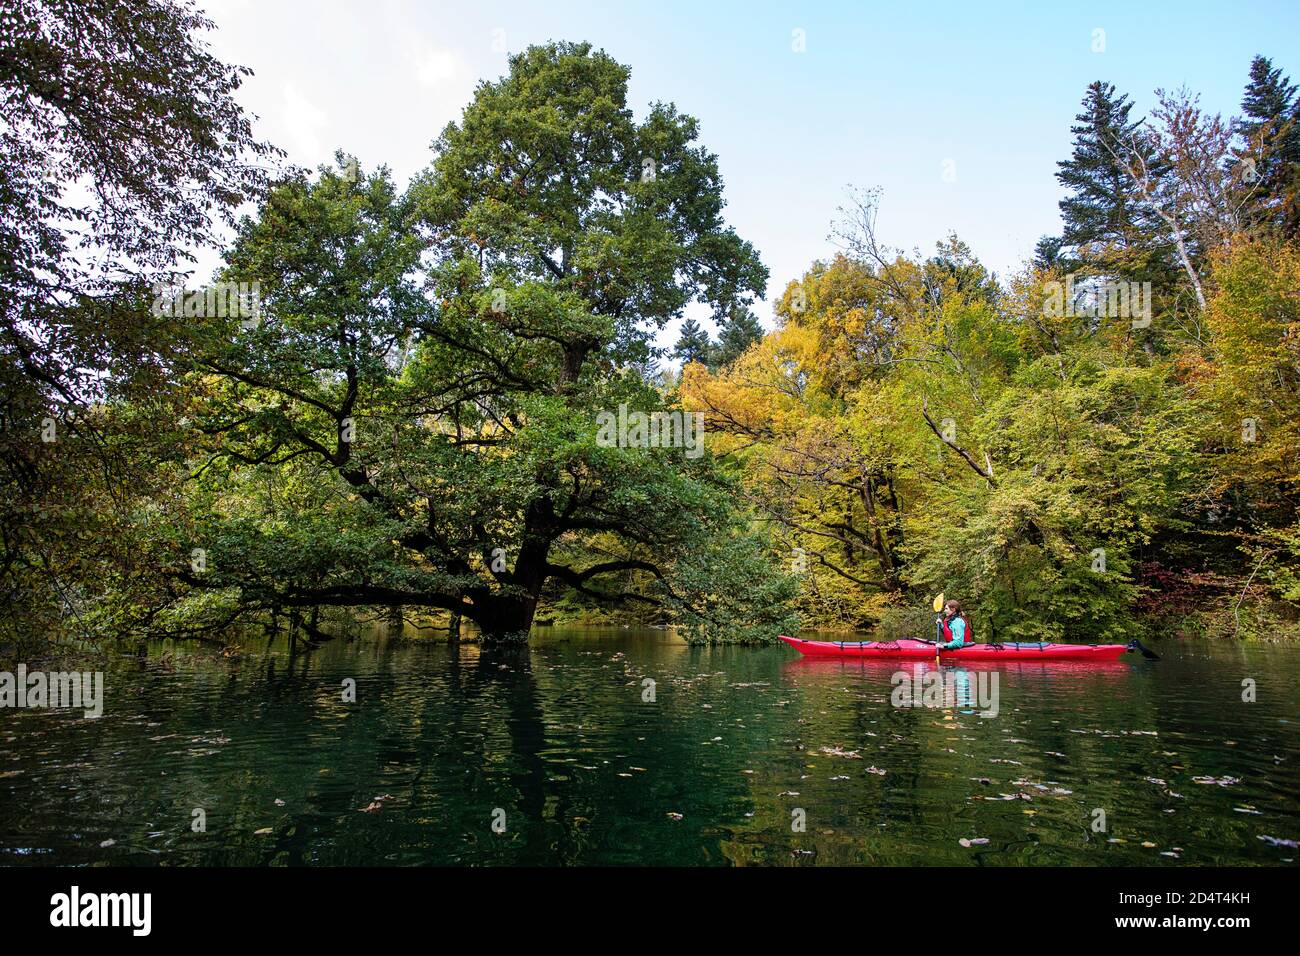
pixel 883 94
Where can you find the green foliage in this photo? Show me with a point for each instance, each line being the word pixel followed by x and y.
pixel 418 415
pixel 1271 130
pixel 1100 210
pixel 372 442
pixel 123 147
pixel 726 591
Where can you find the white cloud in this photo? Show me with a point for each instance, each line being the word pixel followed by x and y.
pixel 445 78
pixel 302 121
pixel 439 66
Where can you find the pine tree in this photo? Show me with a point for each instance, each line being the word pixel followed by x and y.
pixel 693 345
pixel 1048 254
pixel 1270 155
pixel 1104 221
pixel 741 330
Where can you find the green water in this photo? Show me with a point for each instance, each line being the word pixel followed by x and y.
pixel 558 746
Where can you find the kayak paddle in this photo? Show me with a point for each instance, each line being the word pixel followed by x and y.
pixel 938 607
pixel 1136 645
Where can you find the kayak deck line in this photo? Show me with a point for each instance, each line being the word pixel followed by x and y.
pixel 912 649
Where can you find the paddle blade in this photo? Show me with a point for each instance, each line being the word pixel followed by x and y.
pixel 938 603
pixel 1136 645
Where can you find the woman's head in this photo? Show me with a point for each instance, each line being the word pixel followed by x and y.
pixel 953 608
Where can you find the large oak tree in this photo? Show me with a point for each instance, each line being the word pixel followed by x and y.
pixel 377 442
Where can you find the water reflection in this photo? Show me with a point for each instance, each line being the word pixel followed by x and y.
pixel 738 756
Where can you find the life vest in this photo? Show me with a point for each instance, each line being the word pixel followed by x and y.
pixel 947 632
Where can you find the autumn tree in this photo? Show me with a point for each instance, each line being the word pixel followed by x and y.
pixel 439 447
pixel 123 150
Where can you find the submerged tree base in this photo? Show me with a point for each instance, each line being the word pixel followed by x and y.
pixel 505 638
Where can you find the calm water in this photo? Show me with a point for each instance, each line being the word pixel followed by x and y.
pixel 558 741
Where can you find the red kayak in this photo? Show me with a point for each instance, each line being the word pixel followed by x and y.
pixel 908 649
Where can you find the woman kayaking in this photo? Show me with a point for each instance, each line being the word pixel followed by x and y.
pixel 954 628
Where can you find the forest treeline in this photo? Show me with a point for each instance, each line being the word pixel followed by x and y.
pixel 388 400
pixel 1102 445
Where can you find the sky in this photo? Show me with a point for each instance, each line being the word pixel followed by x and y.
pixel 957 112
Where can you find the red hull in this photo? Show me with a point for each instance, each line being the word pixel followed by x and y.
pixel 907 649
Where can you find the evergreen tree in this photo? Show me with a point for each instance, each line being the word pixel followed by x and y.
pixel 693 345
pixel 1271 134
pixel 741 330
pixel 1047 253
pixel 1104 221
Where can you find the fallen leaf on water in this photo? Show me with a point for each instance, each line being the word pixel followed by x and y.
pixel 841 752
pixel 1278 841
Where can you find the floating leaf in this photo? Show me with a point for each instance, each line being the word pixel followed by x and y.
pixel 1278 841
pixel 841 752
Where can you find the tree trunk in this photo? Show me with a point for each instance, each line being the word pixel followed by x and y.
pixel 506 619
